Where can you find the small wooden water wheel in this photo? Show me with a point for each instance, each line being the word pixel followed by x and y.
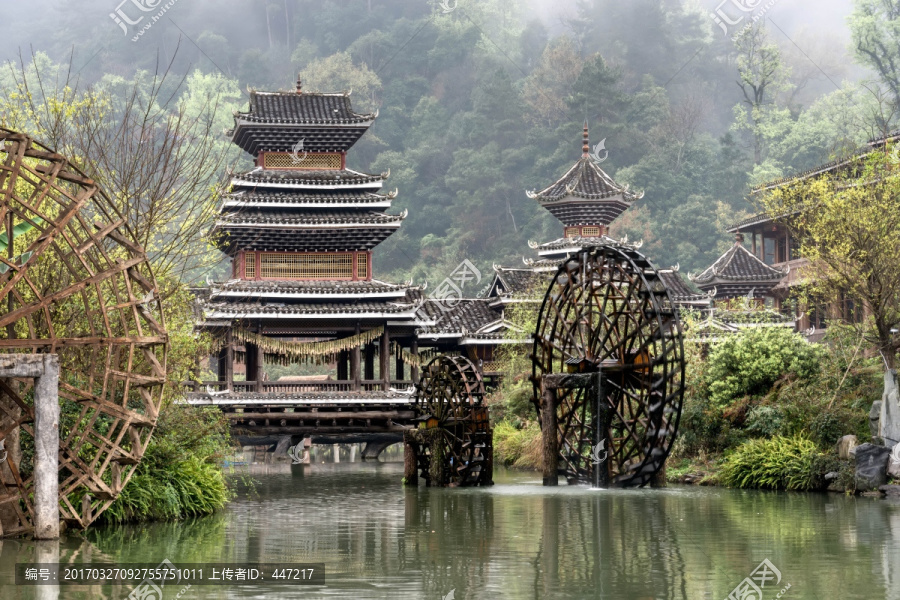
pixel 453 444
pixel 608 369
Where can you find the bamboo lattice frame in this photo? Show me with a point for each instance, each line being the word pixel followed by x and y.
pixel 75 283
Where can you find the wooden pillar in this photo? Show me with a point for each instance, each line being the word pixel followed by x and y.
pixel 410 462
pixel 601 427
pixel 385 361
pixel 354 363
pixel 46 450
pixel 254 370
pixel 550 441
pixel 754 245
pixel 229 360
pixel 342 365
pixel 414 370
pixel 370 362
pixel 400 370
pixel 260 361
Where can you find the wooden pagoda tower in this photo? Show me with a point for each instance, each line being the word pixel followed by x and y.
pixel 299 228
pixel 586 200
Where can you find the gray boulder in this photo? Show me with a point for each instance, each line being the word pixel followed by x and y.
pixel 893 469
pixel 891 490
pixel 871 466
pixel 845 446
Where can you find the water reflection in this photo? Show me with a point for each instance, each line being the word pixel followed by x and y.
pixel 514 540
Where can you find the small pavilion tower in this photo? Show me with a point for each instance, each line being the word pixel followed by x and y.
pixel 586 200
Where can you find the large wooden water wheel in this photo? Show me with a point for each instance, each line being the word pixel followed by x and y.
pixel 73 282
pixel 453 444
pixel 608 354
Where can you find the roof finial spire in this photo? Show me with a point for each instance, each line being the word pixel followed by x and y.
pixel 585 145
pixel 738 238
pixel 299 84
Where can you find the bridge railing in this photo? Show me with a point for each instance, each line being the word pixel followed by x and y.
pixel 295 387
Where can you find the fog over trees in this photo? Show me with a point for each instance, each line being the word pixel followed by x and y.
pixel 480 101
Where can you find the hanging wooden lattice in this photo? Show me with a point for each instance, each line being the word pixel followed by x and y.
pixel 73 282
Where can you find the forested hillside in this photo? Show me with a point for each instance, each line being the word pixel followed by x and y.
pixel 480 101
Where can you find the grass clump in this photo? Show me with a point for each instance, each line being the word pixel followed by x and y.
pixel 181 474
pixel 779 463
pixel 515 447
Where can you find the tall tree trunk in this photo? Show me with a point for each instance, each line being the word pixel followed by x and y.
pixel 269 26
pixel 287 27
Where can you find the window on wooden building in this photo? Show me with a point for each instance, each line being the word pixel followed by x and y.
pixel 306 266
pixel 249 265
pixel 794 249
pixel 852 310
pixel 572 232
pixel 590 231
pixel 362 265
pixel 768 250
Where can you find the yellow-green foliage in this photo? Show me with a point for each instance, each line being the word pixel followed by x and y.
pixel 517 447
pixel 846 224
pixel 779 463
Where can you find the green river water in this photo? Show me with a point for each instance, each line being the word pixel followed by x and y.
pixel 516 539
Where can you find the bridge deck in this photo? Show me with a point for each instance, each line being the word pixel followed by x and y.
pixel 264 414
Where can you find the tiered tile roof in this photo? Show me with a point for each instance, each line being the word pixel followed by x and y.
pixel 738 272
pixel 585 194
pixel 278 121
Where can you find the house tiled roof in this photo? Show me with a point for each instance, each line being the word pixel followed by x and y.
pixel 517 281
pixel 239 310
pixel 310 218
pixel 738 264
pixel 305 108
pixel 585 194
pixel 317 199
pixel 679 290
pixel 466 316
pixel 323 178
pixel 572 244
pixel 584 180
pixel 848 159
pixel 312 289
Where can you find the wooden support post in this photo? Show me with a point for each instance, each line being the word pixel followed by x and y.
pixel 342 374
pixel 400 370
pixel 385 361
pixel 254 368
pixel 549 435
pixel 354 363
pixel 370 362
pixel 410 462
pixel 229 361
pixel 46 450
pixel 260 372
pixel 414 370
pixel 549 423
pixel 601 427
